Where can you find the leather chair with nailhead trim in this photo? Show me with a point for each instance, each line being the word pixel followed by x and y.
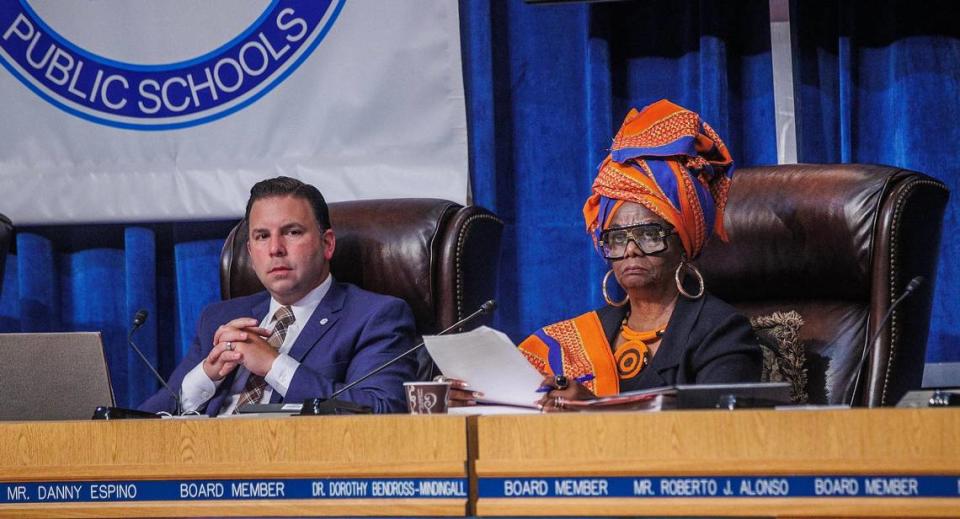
pixel 838 243
pixel 440 257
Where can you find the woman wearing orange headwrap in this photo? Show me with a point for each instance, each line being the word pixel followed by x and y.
pixel 657 198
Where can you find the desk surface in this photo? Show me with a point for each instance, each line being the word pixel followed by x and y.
pixel 241 466
pixel 879 462
pixel 747 463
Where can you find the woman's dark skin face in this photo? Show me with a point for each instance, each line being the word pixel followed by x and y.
pixel 642 276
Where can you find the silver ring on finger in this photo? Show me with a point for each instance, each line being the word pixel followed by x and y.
pixel 560 403
pixel 228 346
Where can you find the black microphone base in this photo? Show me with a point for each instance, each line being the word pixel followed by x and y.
pixel 322 406
pixel 120 413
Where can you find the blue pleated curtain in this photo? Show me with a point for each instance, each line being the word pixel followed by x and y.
pixel 879 82
pixel 547 87
pixel 95 277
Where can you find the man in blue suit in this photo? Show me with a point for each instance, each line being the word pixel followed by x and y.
pixel 306 335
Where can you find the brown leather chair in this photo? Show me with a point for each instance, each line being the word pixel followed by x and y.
pixel 438 256
pixel 6 237
pixel 838 244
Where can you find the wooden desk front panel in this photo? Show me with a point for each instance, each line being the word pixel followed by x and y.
pixel 708 444
pixel 364 447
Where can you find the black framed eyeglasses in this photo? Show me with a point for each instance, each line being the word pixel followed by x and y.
pixel 650 238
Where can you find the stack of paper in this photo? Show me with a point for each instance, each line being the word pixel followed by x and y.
pixel 488 361
pixel 644 400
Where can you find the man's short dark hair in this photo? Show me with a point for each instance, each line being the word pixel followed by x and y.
pixel 286 186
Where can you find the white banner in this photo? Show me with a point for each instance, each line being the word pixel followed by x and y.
pixel 118 111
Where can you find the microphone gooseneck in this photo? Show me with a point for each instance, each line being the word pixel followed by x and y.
pixel 486 308
pixel 912 285
pixel 869 347
pixel 138 319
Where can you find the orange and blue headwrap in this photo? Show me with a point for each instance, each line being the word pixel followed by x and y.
pixel 668 160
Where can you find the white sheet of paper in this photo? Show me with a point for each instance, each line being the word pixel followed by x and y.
pixel 489 361
pixel 491 409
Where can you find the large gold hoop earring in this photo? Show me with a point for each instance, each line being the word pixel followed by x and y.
pixel 696 273
pixel 606 296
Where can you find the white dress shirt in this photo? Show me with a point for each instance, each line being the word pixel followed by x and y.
pixel 197 388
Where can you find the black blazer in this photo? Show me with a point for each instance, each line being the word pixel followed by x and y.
pixel 706 342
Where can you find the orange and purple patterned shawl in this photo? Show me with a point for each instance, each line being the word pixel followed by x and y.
pixel 668 160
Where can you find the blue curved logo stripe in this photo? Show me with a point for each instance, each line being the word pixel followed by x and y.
pixel 64 42
pixel 168 96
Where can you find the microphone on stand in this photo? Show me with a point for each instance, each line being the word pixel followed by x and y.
pixel 138 319
pixel 869 347
pixel 315 406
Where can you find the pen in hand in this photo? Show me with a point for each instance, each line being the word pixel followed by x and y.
pixel 581 379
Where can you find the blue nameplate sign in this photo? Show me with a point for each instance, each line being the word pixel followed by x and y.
pixel 231 489
pixel 712 487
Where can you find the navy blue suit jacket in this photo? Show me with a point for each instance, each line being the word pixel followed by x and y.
pixel 351 332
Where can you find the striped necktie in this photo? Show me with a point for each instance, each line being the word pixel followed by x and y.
pixel 256 385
